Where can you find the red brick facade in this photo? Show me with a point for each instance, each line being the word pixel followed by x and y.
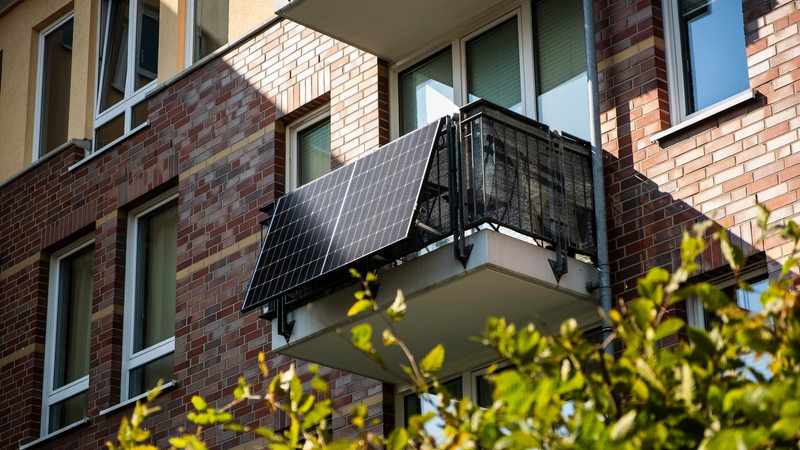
pixel 714 169
pixel 211 137
pixel 216 137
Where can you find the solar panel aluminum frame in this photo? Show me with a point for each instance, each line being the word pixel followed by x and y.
pixel 355 219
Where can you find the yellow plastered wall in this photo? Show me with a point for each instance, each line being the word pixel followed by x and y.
pixel 246 15
pixel 19 42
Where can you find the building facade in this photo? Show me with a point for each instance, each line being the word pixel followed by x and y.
pixel 142 139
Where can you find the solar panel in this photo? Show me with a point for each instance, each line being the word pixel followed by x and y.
pixel 340 218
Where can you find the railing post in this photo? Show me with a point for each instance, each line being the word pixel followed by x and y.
pixel 456 180
pixel 558 207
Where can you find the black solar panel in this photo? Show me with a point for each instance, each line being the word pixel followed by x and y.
pixel 351 213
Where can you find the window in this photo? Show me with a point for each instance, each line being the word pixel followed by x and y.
pixel 66 375
pixel 53 87
pixel 125 76
pixel 309 148
pixel 496 63
pixel 707 63
pixel 149 333
pixel 208 27
pixel 750 300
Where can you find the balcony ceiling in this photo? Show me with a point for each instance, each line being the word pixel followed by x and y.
pixel 389 29
pixel 447 304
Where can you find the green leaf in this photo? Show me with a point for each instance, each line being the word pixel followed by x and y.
pixel 786 428
pixel 732 253
pixel 621 428
pixel 319 385
pixel 237 427
pixel 763 217
pixel 362 337
pixel 317 414
pixel 398 439
pixel 397 309
pixel 371 277
pixel 199 403
pixel 359 306
pixel 727 439
pixel 686 388
pixel 359 413
pixel 668 327
pixel 354 273
pixel 433 361
pixel 702 341
pixel 640 390
pixel 389 338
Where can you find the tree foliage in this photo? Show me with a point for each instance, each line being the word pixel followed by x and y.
pixel 564 391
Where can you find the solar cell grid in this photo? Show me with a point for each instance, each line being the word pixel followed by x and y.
pixel 334 221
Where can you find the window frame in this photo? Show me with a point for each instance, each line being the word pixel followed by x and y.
pixel 469 386
pixel 696 314
pixel 52 396
pixel 677 81
pixel 132 360
pixel 456 41
pixel 191 33
pixel 132 97
pixel 293 129
pixel 37 115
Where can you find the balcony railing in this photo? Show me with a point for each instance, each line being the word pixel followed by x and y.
pixel 524 177
pixel 487 167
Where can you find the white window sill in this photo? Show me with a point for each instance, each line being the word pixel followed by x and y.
pixel 58 432
pixel 704 114
pixel 93 154
pixel 133 400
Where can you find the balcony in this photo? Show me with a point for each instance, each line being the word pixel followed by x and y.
pixel 488 213
pixel 390 30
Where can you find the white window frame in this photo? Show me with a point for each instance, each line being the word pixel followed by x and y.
pixel 132 97
pixel 37 118
pixel 133 360
pixel 189 38
pixel 457 42
pixel 695 313
pixel 190 35
pixel 292 148
pixel 676 77
pixel 52 396
pixel 469 387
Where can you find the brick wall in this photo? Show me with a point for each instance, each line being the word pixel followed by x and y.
pixel 212 139
pixel 714 169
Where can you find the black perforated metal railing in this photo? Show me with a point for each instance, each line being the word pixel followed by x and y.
pixel 489 166
pixel 520 175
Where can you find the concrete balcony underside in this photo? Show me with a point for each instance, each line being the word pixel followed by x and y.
pixel 447 304
pixel 391 30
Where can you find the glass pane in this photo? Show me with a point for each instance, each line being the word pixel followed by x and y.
pixel 74 311
pixel 751 300
pixel 109 131
pixel 493 70
pixel 147 43
pixel 115 58
pixel 155 271
pixel 146 377
pixel 139 114
pixel 426 91
pixel 314 151
pixel 714 51
pixel 563 99
pixel 67 412
pixel 56 75
pixel 210 26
